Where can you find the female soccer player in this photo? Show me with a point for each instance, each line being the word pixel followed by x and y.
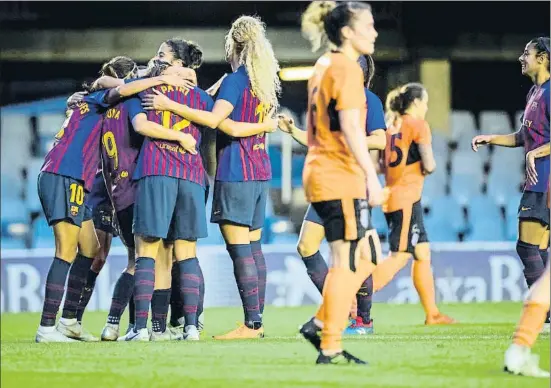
pixel 533 214
pixel 312 232
pixel 65 179
pixel 243 172
pixel 338 169
pixel 518 358
pixel 408 158
pixel 177 182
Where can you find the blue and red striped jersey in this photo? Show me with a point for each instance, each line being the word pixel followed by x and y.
pixel 245 158
pixel 160 157
pixel 76 152
pixel 535 128
pixel 120 149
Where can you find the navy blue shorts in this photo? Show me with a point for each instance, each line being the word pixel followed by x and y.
pixel 242 203
pixel 533 206
pixel 124 224
pixel 313 216
pixel 170 208
pixel 62 199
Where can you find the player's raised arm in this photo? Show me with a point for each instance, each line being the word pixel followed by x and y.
pixel 511 140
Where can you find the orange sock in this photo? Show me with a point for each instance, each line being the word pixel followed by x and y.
pixel 388 268
pixel 423 280
pixel 338 292
pixel 531 323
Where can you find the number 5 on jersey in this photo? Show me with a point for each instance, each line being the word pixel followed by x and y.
pixel 394 148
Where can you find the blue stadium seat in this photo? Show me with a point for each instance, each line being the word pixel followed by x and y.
pixel 31 191
pixel 434 187
pixel 275 160
pixel 14 212
pixel 445 219
pixel 501 187
pixel 43 235
pixel 378 221
pixel 485 221
pixel 511 217
pixel 463 187
pixel 297 167
pixel 440 143
pixel 12 243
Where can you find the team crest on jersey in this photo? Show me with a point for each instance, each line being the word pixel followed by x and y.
pixel 415 231
pixel 364 214
pixel 74 210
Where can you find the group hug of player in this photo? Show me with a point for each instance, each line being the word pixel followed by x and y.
pixel 143 128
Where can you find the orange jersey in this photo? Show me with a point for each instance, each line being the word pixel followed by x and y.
pixel 403 169
pixel 330 171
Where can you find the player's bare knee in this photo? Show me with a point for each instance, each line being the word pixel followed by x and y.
pixel 255 235
pixel 422 252
pixel 306 248
pixel 147 246
pixel 184 250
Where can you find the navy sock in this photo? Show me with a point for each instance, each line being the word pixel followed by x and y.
pixel 75 285
pixel 544 253
pixel 317 269
pixel 190 280
pixel 159 309
pixel 532 261
pixel 132 310
pixel 364 297
pixel 246 276
pixel 260 262
pixel 176 303
pixel 121 296
pixel 87 292
pixel 55 287
pixel 201 305
pixel 144 282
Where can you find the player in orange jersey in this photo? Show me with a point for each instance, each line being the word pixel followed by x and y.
pixel 518 358
pixel 338 169
pixel 408 158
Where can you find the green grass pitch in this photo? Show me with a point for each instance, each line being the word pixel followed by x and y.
pixel 401 353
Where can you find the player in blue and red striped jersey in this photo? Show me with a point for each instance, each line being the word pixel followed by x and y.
pixel 179 181
pixel 123 131
pixel 533 214
pixel 65 180
pixel 243 172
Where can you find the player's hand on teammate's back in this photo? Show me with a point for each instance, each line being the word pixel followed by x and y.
pixel 75 99
pixel 188 143
pixel 177 81
pixel 185 73
pixel 531 172
pixel 479 141
pixel 157 101
pixel 285 123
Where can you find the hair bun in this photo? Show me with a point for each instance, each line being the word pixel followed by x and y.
pixel 195 55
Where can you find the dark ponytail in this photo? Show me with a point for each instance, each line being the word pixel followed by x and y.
pixel 402 100
pixel 368 67
pixel 188 52
pixel 119 67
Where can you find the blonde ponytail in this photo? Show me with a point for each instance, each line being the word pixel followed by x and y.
pixel 247 42
pixel 312 24
pixel 392 118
